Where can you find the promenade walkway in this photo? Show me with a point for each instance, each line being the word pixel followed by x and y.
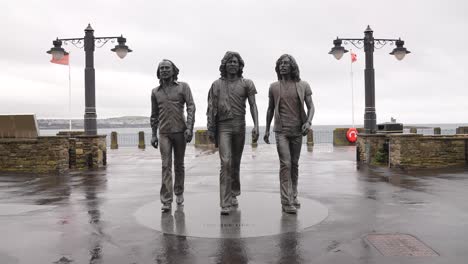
pixel 348 215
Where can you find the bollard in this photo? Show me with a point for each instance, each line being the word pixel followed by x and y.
pixel 437 131
pixel 114 143
pixel 462 130
pixel 141 140
pixel 413 130
pixel 310 138
pixel 254 144
pixel 202 139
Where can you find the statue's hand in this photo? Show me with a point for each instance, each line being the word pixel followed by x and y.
pixel 188 135
pixel 154 141
pixel 305 128
pixel 266 138
pixel 211 135
pixel 255 134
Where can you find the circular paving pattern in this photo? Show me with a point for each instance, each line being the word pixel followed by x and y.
pixel 258 214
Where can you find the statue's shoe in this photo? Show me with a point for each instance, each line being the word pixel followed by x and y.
pixel 166 207
pixel 225 210
pixel 290 209
pixel 234 201
pixel 180 199
pixel 296 203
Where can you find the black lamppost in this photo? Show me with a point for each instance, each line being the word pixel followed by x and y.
pixel 369 43
pixel 89 42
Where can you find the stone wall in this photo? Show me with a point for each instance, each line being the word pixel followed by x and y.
pixel 371 150
pixel 88 152
pixel 413 150
pixel 39 155
pixel 420 151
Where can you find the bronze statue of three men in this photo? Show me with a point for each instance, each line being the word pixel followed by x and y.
pixel 226 126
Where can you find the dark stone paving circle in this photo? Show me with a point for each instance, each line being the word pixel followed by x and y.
pixel 258 214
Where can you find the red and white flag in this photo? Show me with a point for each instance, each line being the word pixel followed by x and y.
pixel 353 57
pixel 65 60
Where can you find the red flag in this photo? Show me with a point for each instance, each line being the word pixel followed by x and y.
pixel 65 60
pixel 353 57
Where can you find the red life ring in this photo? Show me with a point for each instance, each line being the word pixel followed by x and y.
pixel 351 135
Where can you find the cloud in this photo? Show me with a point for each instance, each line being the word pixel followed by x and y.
pixel 427 86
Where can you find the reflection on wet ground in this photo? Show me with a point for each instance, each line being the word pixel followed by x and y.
pixel 88 217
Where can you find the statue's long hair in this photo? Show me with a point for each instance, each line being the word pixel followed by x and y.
pixel 175 70
pixel 295 76
pixel 226 58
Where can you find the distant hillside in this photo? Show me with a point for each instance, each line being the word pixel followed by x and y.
pixel 128 118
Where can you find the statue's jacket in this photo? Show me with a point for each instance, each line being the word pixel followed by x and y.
pixel 213 111
pixel 167 109
pixel 274 95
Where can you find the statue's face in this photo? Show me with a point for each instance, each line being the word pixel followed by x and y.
pixel 232 65
pixel 285 66
pixel 165 70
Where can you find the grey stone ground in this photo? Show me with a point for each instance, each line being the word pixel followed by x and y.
pixel 88 217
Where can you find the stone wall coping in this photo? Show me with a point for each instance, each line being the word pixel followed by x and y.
pixel 51 137
pixel 70 133
pixel 30 140
pixel 405 135
pixel 371 135
pixel 95 136
pixel 18 140
pixel 444 137
pixel 431 137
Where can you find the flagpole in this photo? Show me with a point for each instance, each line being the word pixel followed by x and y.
pixel 352 89
pixel 65 60
pixel 69 96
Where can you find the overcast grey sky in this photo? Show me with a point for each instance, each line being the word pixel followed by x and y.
pixel 428 86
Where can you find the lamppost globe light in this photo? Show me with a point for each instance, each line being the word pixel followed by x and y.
pixel 57 51
pixel 400 51
pixel 337 51
pixel 121 52
pixel 399 55
pixel 121 49
pixel 57 54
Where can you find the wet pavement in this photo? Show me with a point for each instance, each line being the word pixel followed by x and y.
pixel 95 216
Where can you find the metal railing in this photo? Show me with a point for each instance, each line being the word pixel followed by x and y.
pixel 321 136
pixel 430 131
pixel 131 139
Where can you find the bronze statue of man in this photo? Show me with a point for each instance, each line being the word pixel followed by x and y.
pixel 286 104
pixel 167 115
pixel 226 124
